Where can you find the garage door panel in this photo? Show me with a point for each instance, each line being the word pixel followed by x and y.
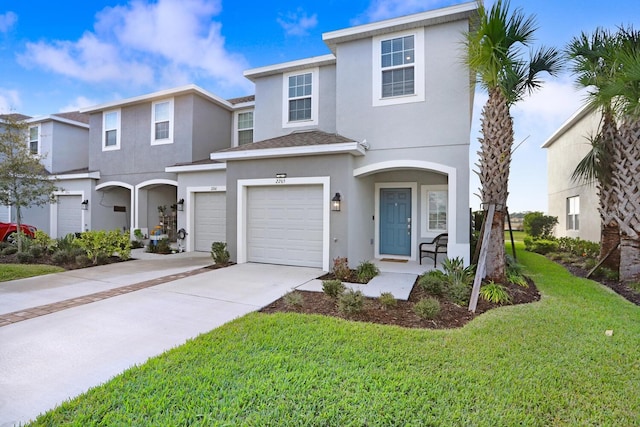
pixel 285 225
pixel 210 225
pixel 69 215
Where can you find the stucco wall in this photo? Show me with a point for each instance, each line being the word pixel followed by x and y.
pixel 71 147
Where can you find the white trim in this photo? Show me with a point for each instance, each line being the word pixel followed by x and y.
pixel 413 186
pixel 353 148
pixel 159 95
pixel 190 220
pixel 453 248
pixel 196 168
pixel 66 177
pixel 243 184
pixel 132 198
pixel 425 232
pixel 315 95
pixel 571 121
pixel 55 118
pixel 236 128
pixel 143 184
pixel 168 140
pixel 118 129
pixel 53 213
pixel 292 66
pixel 418 69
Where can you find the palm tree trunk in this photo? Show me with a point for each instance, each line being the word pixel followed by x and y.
pixel 495 160
pixel 609 231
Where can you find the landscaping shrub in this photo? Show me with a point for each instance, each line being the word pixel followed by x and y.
pixel 540 246
pixel 136 244
pixel 67 243
pixel 539 225
pixel 293 299
pixel 366 271
pixel 387 300
pixel 514 273
pixel 10 250
pixel 351 302
pixel 459 292
pixel 36 251
pixel 100 243
pixel 219 253
pixel 25 258
pixel 427 308
pixel 341 268
pixel 333 288
pixel 83 260
pixel 43 240
pixel 433 282
pixel 495 293
pixel 163 246
pixel 61 256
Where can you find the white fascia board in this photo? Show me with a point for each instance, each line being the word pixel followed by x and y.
pixel 243 105
pixel 300 64
pixel 571 121
pixel 196 168
pixel 41 119
pixel 428 18
pixel 159 95
pixel 66 177
pixel 353 148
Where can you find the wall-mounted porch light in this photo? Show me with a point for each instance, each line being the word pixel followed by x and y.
pixel 85 205
pixel 180 205
pixel 335 202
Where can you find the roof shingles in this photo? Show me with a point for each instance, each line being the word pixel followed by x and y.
pixel 294 139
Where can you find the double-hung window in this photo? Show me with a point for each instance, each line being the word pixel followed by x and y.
pixel 398 68
pixel 162 122
pixel 111 130
pixel 245 127
pixel 34 139
pixel 573 213
pixel 301 98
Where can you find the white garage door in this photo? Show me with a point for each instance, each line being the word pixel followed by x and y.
pixel 69 215
pixel 284 225
pixel 210 212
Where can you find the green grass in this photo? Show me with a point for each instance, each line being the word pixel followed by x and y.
pixel 541 364
pixel 20 271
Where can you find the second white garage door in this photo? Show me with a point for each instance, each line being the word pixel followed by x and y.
pixel 69 215
pixel 284 225
pixel 210 212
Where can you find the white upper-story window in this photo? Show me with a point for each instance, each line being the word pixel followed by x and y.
pixel 300 94
pixel 34 139
pixel 111 130
pixel 162 122
pixel 398 74
pixel 244 127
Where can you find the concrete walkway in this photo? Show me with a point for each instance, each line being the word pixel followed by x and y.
pixel 48 359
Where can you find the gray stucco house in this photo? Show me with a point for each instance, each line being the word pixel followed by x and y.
pixel 360 153
pixel 574 203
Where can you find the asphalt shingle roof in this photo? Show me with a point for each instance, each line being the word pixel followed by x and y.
pixel 294 139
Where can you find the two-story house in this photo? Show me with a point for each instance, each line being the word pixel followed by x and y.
pixel 361 153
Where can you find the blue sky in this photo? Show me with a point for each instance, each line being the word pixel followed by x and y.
pixel 61 56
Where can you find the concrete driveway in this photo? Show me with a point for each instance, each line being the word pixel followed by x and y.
pixel 49 359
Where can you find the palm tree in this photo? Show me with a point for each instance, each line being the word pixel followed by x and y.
pixel 625 89
pixel 593 63
pixel 495 56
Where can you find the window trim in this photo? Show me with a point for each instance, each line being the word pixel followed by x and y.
pixel 315 84
pixel 425 231
pixel 418 69
pixel 168 140
pixel 573 216
pixel 38 139
pixel 236 126
pixel 118 113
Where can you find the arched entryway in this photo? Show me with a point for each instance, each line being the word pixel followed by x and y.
pixel 112 208
pixel 156 206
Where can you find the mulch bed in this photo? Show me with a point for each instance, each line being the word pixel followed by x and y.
pixel 620 288
pixel 46 260
pixel 451 315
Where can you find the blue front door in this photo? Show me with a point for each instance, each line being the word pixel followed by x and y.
pixel 395 221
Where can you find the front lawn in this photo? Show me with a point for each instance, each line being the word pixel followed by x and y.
pixel 546 363
pixel 20 271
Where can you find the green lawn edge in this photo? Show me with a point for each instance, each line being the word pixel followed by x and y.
pixel 540 364
pixel 22 271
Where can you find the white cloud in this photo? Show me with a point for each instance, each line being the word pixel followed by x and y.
pixel 7 21
pixel 9 101
pixel 78 103
pixel 298 23
pixel 135 44
pixel 379 10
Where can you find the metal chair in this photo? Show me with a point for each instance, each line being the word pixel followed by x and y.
pixel 436 246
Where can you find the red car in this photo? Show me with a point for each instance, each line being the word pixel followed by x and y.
pixel 8 231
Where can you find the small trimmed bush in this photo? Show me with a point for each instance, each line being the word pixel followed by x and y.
pixel 10 250
pixel 61 256
pixel 83 260
pixel 493 292
pixel 351 302
pixel 387 300
pixel 36 251
pixel 25 258
pixel 427 308
pixel 333 288
pixel 459 293
pixel 433 282
pixel 341 268
pixel 293 299
pixel 219 253
pixel 366 271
